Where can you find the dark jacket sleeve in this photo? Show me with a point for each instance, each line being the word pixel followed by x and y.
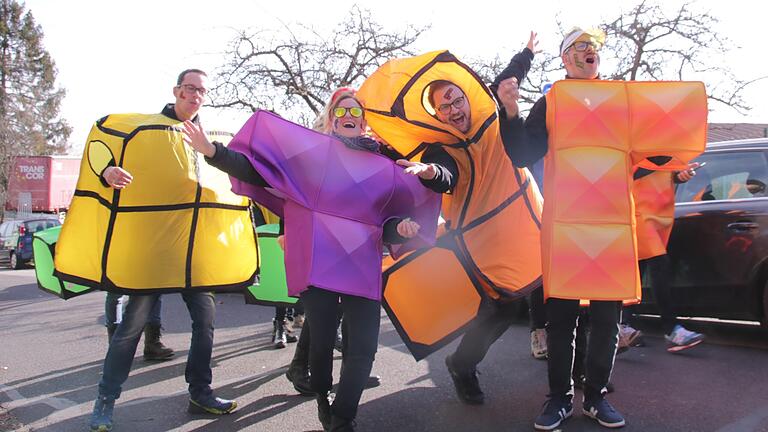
pixel 447 170
pixel 235 164
pixel 526 141
pixel 518 67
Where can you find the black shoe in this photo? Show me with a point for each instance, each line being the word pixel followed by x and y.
pixel 555 411
pixel 324 411
pixel 600 410
pixel 340 424
pixel 373 381
pixel 211 405
pixel 279 338
pixel 154 350
pixel 300 378
pixel 466 384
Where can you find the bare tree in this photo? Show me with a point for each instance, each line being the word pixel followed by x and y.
pixel 295 71
pixel 648 43
pixel 29 100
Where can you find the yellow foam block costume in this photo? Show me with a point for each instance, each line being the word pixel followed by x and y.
pixel 491 246
pixel 176 226
pixel 599 131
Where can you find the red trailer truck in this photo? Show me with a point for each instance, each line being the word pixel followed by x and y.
pixel 42 183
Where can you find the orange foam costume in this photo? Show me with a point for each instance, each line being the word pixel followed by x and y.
pixel 490 245
pixel 599 131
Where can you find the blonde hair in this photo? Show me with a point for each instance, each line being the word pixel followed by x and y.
pixel 323 121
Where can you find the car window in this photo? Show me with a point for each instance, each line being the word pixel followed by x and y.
pixel 727 175
pixel 4 228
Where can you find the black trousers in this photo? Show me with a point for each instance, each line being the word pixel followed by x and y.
pixel 482 333
pixel 362 318
pixel 658 269
pixel 536 309
pixel 562 319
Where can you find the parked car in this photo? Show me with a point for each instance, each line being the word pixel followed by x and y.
pixel 16 239
pixel 719 243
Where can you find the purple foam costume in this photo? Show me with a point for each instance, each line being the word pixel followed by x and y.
pixel 334 201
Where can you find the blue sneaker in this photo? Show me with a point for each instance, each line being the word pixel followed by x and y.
pixel 681 339
pixel 210 404
pixel 600 410
pixel 555 411
pixel 101 418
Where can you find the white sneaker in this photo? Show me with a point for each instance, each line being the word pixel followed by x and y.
pixel 681 339
pixel 539 344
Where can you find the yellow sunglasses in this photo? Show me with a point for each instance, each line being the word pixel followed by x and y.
pixel 340 112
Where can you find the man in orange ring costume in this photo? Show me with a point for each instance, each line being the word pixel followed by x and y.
pixel 437 112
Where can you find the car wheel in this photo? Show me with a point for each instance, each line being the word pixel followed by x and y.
pixel 16 264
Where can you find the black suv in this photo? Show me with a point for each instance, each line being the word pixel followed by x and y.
pixel 719 243
pixel 16 239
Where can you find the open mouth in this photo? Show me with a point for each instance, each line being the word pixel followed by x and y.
pixel 348 125
pixel 590 59
pixel 458 118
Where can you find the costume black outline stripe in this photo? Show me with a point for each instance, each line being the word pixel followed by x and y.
pixel 151 208
pixel 526 198
pixel 100 124
pixel 504 204
pixel 87 156
pixel 109 286
pixel 470 189
pixel 192 231
pixel 419 350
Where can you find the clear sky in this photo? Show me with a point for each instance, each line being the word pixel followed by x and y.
pixel 117 57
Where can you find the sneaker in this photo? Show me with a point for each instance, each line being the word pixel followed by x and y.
pixel 602 411
pixel 101 417
pixel 211 405
pixel 288 332
pixel 324 411
pixel 466 384
pixel 628 337
pixel 298 320
pixel 555 411
pixel 681 339
pixel 539 343
pixel 299 377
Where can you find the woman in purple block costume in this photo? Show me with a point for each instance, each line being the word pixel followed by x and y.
pixel 333 249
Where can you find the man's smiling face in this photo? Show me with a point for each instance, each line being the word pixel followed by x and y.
pixel 452 107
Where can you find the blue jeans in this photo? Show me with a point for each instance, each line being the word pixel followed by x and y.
pixel 113 310
pixel 119 358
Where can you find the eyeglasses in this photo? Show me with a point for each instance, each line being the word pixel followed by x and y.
pixel 582 46
pixel 446 108
pixel 340 112
pixel 190 89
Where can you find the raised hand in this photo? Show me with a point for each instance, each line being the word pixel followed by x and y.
pixel 195 137
pixel 533 43
pixel 424 171
pixel 509 93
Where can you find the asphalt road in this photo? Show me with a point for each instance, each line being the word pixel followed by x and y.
pixel 51 352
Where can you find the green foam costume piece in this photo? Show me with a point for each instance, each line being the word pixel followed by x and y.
pixel 271 288
pixel 43 250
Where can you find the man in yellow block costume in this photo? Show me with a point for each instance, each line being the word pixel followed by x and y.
pixel 594 133
pixel 147 219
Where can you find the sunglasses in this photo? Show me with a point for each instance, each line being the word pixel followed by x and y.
pixel 582 46
pixel 340 112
